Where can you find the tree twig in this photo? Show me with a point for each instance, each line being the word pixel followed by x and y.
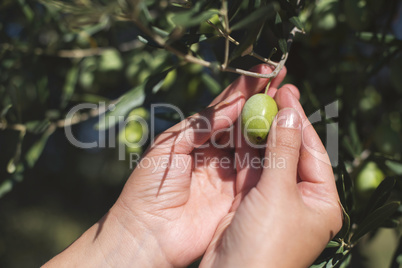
pixel 222 33
pixel 279 65
pixel 224 13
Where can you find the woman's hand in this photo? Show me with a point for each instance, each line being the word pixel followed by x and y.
pixel 291 214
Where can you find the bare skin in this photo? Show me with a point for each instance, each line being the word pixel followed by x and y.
pixel 179 204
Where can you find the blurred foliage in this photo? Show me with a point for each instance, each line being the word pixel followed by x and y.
pixel 123 56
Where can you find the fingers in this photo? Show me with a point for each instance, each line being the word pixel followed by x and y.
pixel 282 152
pixel 314 163
pixel 196 130
pixel 293 89
pixel 272 91
pixel 249 86
pixel 248 169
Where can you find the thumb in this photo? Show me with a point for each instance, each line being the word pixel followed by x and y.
pixel 282 152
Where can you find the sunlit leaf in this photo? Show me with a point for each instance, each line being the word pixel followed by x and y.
pixel 33 154
pixel 130 100
pixel 321 265
pixel 192 17
pixel 148 41
pixel 333 244
pixel 258 15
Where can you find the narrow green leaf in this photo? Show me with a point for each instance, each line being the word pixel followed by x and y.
pixel 36 150
pixel 355 138
pixel 346 262
pixel 11 166
pixel 191 18
pixel 338 257
pixel 321 265
pixel 90 30
pixel 379 38
pixel 283 45
pixel 258 15
pixel 278 19
pixel 148 42
pixel 26 9
pixel 374 220
pixel 394 166
pixel 296 22
pixel 380 195
pixel 246 42
pixel 132 99
pixel 344 232
pixel 345 186
pixel 5 110
pixel 37 126
pixel 5 187
pixel 160 32
pixel 69 85
pixel 333 244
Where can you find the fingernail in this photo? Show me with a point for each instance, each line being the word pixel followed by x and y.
pixel 288 118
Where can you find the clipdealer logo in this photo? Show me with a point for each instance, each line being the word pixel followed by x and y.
pixel 107 135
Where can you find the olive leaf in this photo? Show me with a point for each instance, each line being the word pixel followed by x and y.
pixel 394 166
pixel 257 16
pixel 247 42
pixel 345 187
pixel 296 22
pixel 132 99
pixel 193 16
pixel 333 244
pixel 380 195
pixel 375 219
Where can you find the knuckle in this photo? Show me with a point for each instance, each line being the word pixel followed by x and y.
pixel 286 143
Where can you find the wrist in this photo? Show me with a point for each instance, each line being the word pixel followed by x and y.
pixel 109 243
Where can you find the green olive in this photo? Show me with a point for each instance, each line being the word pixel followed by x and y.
pixel 257 116
pixel 368 179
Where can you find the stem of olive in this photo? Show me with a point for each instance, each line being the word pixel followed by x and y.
pixel 267 86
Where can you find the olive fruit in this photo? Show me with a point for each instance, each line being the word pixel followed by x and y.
pixel 257 116
pixel 368 179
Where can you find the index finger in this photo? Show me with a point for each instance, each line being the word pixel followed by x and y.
pixel 249 86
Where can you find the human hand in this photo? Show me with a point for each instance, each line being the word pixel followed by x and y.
pixel 292 212
pixel 179 193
